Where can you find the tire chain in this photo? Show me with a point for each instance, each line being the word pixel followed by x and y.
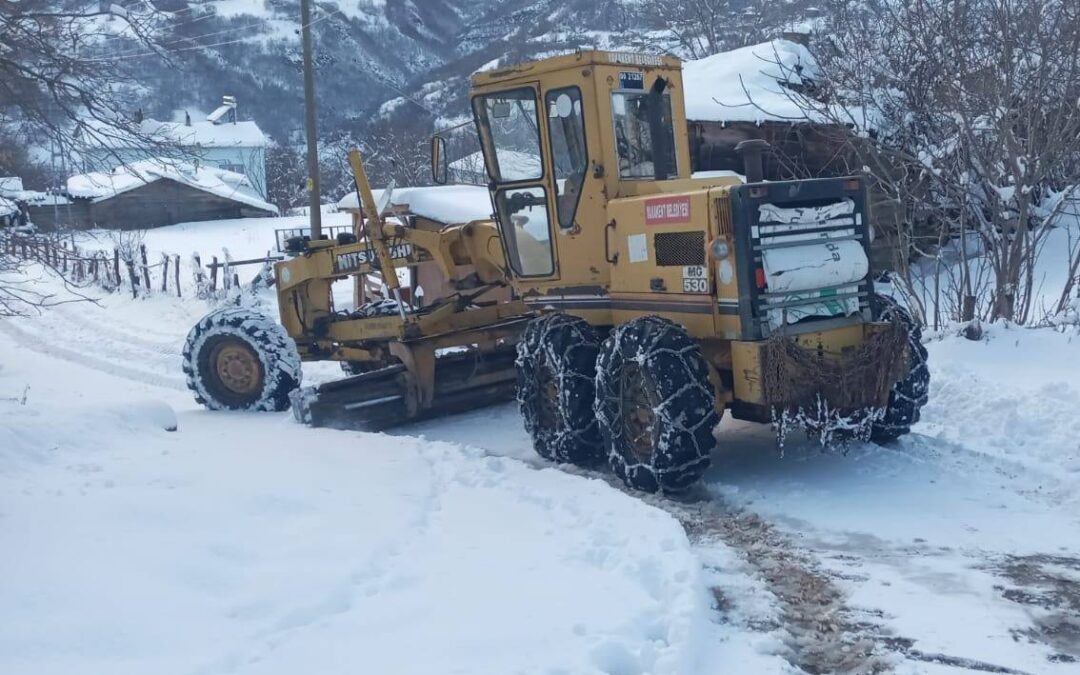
pixel 672 363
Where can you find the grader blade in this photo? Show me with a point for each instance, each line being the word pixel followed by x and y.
pixel 388 397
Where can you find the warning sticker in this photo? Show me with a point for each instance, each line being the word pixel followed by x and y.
pixel 638 248
pixel 667 210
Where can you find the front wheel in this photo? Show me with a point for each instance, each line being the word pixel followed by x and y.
pixel 656 405
pixel 237 359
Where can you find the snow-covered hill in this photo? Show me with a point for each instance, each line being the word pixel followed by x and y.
pixel 369 52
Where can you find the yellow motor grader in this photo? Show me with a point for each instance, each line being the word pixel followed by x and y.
pixel 645 302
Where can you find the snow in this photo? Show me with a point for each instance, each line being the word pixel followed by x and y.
pixel 10 186
pixel 512 163
pixel 99 185
pixel 243 542
pixel 204 134
pixel 7 207
pixel 248 543
pixel 443 203
pixel 1032 423
pixel 718 173
pixel 748 84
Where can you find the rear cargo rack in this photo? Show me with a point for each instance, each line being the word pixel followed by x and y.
pixel 815 207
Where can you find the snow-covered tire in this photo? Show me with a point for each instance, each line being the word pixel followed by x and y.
pixel 556 367
pixel 238 359
pixel 908 396
pixel 656 405
pixel 387 307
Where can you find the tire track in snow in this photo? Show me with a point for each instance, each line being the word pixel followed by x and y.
pixel 821 633
pixel 169 345
pixel 39 343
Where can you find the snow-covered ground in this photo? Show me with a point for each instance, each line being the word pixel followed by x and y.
pixel 247 543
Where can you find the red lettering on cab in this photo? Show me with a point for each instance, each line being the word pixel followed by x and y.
pixel 667 210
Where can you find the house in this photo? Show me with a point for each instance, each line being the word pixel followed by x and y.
pixel 156 192
pixel 755 92
pixel 760 92
pixel 221 141
pixel 34 208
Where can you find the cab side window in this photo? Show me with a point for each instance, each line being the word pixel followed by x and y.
pixel 644 135
pixel 566 131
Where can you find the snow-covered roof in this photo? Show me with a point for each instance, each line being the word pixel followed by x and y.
pixel 99 185
pixel 37 198
pixel 10 186
pixel 200 134
pixel 442 203
pixel 748 84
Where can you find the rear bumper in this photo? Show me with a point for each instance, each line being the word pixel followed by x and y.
pixel 850 368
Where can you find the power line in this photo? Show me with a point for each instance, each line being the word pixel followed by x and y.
pixel 124 57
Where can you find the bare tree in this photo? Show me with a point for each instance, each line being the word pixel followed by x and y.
pixel 63 81
pixel 705 27
pixel 64 68
pixel 966 114
pixel 286 176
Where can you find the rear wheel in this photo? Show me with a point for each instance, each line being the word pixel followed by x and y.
pixel 556 370
pixel 237 359
pixel 655 405
pixel 909 395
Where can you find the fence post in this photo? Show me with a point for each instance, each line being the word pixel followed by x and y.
pixel 213 273
pixel 176 273
pixel 164 272
pixel 145 267
pixel 226 277
pixel 132 277
pixel 116 266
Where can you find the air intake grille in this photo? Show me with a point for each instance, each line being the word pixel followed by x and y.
pixel 679 248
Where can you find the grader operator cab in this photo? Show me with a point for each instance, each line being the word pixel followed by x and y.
pixel 646 302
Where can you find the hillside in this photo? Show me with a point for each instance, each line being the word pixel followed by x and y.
pixel 371 52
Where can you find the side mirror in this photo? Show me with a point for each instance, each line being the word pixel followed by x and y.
pixel 438 160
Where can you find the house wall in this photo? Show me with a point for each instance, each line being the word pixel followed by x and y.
pixel 797 151
pixel 250 161
pixel 73 215
pixel 164 202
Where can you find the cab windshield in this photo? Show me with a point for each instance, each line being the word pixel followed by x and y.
pixel 509 121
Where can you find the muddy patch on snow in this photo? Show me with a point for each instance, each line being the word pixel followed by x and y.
pixel 1050 586
pixel 821 633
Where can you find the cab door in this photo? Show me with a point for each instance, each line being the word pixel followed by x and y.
pixel 513 136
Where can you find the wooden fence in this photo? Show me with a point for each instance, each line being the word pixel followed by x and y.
pixel 128 267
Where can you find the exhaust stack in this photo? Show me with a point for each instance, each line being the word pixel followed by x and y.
pixel 751 151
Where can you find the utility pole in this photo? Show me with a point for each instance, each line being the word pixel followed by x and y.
pixel 309 122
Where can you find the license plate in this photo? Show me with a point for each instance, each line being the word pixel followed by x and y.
pixel 695 279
